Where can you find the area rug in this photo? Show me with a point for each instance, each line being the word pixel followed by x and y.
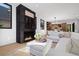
pixel 25 50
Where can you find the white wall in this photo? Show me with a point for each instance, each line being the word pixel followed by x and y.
pixel 38 26
pixel 8 36
pixel 77 26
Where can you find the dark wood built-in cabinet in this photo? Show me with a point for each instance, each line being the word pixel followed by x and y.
pixel 25 24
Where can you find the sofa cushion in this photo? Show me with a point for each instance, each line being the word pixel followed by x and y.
pixel 75 43
pixel 53 37
pixel 62 45
pixel 47 47
pixel 52 33
pixel 75 35
pixel 67 34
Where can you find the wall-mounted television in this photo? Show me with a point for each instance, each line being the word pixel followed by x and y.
pixel 5 16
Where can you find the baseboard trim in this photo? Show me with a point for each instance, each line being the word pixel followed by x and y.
pixel 7 44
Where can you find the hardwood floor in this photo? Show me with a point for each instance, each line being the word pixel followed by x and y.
pixel 17 49
pixel 12 50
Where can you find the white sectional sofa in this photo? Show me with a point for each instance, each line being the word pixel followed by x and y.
pixel 66 46
pixel 62 48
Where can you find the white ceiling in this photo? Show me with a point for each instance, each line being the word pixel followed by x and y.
pixel 61 11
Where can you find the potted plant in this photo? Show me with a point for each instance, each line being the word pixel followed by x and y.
pixel 38 36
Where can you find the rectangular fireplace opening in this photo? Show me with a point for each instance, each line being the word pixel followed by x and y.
pixel 29 36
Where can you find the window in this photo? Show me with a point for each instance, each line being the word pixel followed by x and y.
pixel 5 16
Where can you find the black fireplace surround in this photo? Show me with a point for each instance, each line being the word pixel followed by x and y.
pixel 25 25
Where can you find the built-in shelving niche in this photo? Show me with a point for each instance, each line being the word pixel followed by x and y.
pixel 26 24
